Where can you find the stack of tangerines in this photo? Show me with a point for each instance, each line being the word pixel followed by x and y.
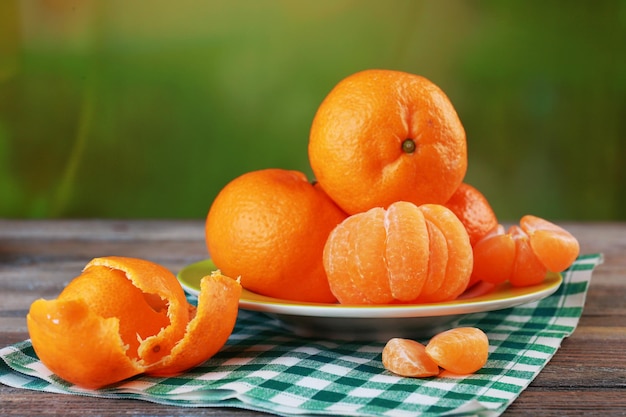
pixel 388 219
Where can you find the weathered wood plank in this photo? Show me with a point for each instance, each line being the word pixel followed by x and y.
pixel 38 257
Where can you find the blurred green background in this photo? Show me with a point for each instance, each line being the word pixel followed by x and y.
pixel 128 109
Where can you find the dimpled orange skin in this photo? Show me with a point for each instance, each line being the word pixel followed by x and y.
pixel 474 211
pixel 154 279
pixel 268 228
pixel 125 316
pixel 211 324
pixel 65 355
pixel 357 135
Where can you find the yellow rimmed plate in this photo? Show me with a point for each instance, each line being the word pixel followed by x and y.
pixel 349 322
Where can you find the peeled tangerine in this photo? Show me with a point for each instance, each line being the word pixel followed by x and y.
pixel 406 253
pixel 525 253
pixel 125 316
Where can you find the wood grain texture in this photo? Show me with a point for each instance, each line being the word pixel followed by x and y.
pixel 587 376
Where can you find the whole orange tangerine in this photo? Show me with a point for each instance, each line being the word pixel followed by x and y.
pixel 474 211
pixel 382 136
pixel 269 227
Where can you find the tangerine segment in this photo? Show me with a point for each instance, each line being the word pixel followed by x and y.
pixel 371 269
pixel 437 261
pixel 528 268
pixel 383 136
pixel 555 247
pixel 494 257
pixel 152 278
pixel 269 227
pixel 460 258
pixel 406 357
pixel 462 350
pixel 338 263
pixel 211 324
pixel 79 345
pixel 407 251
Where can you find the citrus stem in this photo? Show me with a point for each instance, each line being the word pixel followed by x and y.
pixel 409 146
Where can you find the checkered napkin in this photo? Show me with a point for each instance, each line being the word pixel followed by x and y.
pixel 264 368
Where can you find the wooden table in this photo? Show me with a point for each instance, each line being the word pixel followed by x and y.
pixel 37 258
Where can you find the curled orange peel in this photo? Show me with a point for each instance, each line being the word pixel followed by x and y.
pixel 126 316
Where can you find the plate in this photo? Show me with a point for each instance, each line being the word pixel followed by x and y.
pixel 381 322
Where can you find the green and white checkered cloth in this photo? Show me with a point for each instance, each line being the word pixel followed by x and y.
pixel 264 368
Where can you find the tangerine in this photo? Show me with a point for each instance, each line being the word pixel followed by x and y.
pixel 382 136
pixel 125 316
pixel 269 227
pixel 462 350
pixel 406 253
pixel 474 211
